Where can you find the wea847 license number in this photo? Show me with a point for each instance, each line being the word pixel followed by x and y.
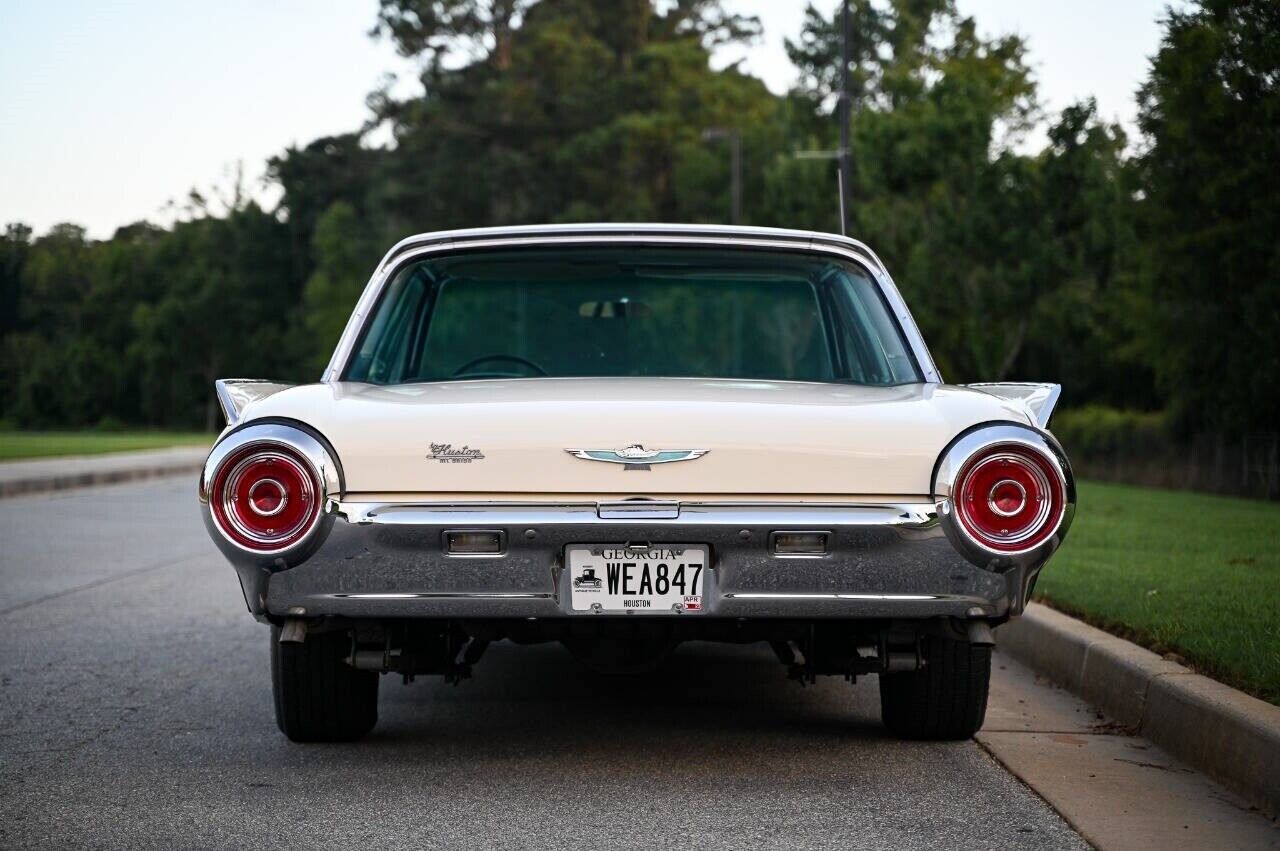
pixel 619 578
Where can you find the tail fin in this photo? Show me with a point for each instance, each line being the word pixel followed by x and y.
pixel 235 393
pixel 1040 399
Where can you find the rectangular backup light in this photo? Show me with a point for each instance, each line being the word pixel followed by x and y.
pixel 464 542
pixel 798 543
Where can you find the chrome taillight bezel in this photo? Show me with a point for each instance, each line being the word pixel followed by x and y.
pixel 299 447
pixel 1043 505
pixel 234 518
pixel 989 441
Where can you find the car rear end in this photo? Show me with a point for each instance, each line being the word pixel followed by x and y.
pixel 622 441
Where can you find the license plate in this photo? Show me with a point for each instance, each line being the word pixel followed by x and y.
pixel 665 578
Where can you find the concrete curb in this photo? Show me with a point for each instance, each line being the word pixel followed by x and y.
pixel 25 478
pixel 1225 733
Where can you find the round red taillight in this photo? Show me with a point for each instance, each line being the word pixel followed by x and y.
pixel 1009 498
pixel 265 497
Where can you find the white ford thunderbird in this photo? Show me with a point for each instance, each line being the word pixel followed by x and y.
pixel 621 437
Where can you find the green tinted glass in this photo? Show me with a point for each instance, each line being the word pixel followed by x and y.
pixel 632 311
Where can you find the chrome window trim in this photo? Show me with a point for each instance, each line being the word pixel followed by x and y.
pixel 613 229
pixel 418 247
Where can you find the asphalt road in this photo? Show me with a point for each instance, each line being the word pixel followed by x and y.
pixel 135 710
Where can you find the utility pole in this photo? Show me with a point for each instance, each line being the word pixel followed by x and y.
pixel 844 176
pixel 735 186
pixel 734 139
pixel 844 181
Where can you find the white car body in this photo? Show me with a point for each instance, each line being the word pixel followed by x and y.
pixel 523 427
pixel 392 474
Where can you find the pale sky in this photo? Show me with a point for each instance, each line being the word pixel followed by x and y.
pixel 110 110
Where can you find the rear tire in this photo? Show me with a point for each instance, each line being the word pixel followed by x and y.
pixel 318 696
pixel 946 699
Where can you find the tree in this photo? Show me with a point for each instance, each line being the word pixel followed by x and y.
pixel 1209 216
pixel 1085 335
pixel 935 183
pixel 329 170
pixel 15 246
pixel 1134 281
pixel 817 52
pixel 430 30
pixel 224 311
pixel 342 250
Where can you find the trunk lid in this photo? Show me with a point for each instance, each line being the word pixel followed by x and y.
pixel 759 437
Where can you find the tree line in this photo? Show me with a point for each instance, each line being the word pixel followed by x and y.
pixel 1141 273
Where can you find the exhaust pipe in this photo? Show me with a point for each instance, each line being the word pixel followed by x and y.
pixel 980 633
pixel 294 631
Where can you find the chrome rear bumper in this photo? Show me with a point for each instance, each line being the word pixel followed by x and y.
pixel 382 560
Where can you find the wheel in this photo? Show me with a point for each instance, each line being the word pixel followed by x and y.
pixel 945 699
pixel 318 696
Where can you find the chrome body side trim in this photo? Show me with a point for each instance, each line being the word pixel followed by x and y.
pixel 425 245
pixel 427 595
pixel 846 597
pixel 804 516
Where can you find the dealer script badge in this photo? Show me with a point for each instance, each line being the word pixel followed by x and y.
pixel 445 453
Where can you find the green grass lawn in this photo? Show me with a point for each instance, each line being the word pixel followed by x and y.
pixel 1179 572
pixel 46 444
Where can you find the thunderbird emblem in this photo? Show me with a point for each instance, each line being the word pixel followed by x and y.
pixel 636 457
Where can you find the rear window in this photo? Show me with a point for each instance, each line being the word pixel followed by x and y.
pixel 632 311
